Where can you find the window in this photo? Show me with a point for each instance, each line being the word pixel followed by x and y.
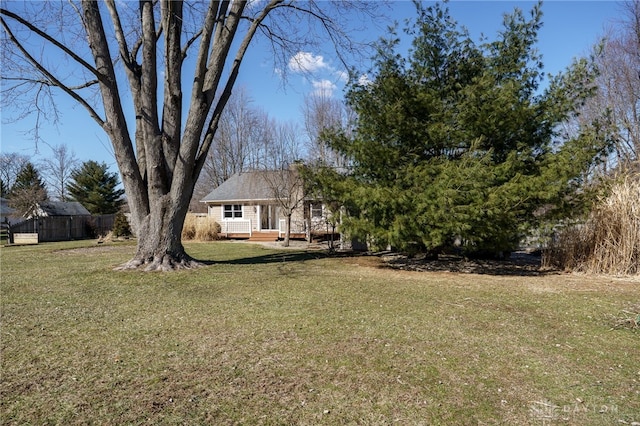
pixel 232 211
pixel 316 211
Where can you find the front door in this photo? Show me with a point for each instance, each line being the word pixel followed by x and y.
pixel 268 217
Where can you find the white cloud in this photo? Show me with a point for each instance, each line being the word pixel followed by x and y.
pixel 307 62
pixel 343 76
pixel 363 80
pixel 323 88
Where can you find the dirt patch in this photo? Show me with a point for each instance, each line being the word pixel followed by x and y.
pixel 92 249
pixel 519 263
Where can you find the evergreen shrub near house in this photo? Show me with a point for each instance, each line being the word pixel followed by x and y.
pixel 457 143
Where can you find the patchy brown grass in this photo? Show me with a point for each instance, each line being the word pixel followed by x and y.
pixel 283 337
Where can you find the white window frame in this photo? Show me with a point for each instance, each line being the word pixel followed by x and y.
pixel 315 208
pixel 236 211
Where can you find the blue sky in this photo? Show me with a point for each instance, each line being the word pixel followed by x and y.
pixel 570 29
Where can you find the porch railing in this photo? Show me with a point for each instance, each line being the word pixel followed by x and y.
pixel 236 227
pixel 297 227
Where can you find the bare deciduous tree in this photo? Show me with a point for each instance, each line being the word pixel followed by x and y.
pixel 10 165
pixel 57 170
pixel 322 112
pixel 617 102
pixel 138 53
pixel 284 147
pixel 238 143
pixel 287 188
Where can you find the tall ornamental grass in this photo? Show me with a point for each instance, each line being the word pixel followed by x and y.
pixel 200 228
pixel 609 241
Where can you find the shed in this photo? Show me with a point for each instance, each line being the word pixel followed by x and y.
pixel 58 208
pixel 57 221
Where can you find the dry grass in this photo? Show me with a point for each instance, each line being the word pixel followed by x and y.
pixel 270 337
pixel 609 242
pixel 628 318
pixel 200 228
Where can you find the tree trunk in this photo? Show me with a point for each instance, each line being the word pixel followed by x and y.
pixel 287 234
pixel 159 241
pixel 162 146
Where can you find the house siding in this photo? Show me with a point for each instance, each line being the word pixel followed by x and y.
pixel 251 212
pixel 216 212
pixel 252 190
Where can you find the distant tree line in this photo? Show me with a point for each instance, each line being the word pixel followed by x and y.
pixel 90 183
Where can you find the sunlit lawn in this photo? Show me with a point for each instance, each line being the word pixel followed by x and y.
pixel 271 337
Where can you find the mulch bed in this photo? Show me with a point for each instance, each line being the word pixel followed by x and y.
pixel 519 263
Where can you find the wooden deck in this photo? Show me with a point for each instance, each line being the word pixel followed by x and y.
pixel 260 236
pixel 264 236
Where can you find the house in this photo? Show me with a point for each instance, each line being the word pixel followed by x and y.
pixel 254 204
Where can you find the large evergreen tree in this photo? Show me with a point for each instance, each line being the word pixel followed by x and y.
pixel 96 188
pixel 27 190
pixel 457 141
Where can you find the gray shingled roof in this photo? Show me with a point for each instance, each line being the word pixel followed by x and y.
pixel 245 186
pixel 61 208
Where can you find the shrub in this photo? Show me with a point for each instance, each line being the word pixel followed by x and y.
pixel 609 241
pixel 121 226
pixel 91 229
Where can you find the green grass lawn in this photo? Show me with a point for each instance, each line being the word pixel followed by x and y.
pixel 272 337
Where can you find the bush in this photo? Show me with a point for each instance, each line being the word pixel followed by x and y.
pixel 609 241
pixel 200 228
pixel 121 227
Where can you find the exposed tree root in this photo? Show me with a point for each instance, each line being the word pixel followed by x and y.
pixel 163 263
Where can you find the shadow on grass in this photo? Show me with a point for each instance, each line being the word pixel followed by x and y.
pixel 520 264
pixel 286 256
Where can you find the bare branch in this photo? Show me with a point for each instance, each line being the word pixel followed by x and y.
pixel 226 93
pixel 50 83
pixel 53 80
pixel 125 55
pixel 47 38
pixel 190 42
pixel 172 108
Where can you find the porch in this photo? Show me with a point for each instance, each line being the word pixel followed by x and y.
pixel 244 229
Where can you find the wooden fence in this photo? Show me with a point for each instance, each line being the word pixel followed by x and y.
pixel 65 228
pixel 4 233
